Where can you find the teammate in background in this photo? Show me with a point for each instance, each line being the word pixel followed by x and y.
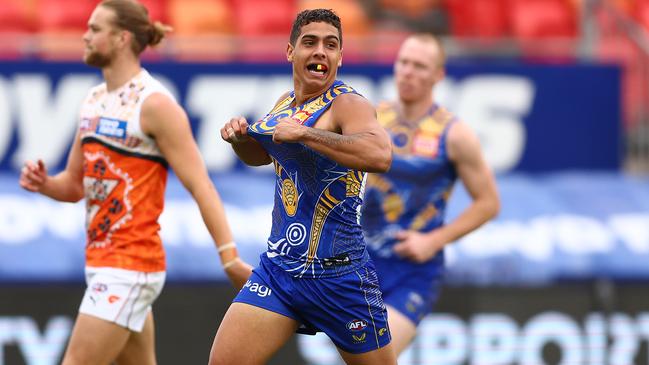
pixel 321 137
pixel 130 130
pixel 404 209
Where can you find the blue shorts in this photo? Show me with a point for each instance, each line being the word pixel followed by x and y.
pixel 348 308
pixel 410 288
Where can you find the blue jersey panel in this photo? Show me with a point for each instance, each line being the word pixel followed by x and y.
pixel 412 195
pixel 316 216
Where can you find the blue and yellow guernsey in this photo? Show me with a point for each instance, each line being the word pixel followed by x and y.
pixel 316 216
pixel 413 194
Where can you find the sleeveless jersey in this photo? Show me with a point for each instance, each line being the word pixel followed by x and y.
pixel 124 178
pixel 316 227
pixel 412 195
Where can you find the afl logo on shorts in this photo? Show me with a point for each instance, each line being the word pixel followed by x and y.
pixel 357 325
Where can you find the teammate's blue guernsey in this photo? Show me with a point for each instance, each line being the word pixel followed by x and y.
pixel 316 216
pixel 412 195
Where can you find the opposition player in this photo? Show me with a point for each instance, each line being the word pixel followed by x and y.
pixel 130 131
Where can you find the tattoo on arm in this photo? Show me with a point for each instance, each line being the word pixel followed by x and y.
pixel 331 138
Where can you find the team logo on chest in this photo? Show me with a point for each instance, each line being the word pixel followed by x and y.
pixel 287 189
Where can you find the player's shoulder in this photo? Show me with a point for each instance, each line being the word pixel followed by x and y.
pixel 462 139
pixel 386 113
pixel 385 106
pixel 159 102
pixel 351 106
pixel 152 90
pixel 156 98
pixel 150 86
pixel 159 111
pixel 351 100
pixel 442 114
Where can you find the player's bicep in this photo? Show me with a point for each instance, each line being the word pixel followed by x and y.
pixel 466 155
pixel 353 114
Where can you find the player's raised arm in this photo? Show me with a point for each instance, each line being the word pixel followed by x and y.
pixel 235 132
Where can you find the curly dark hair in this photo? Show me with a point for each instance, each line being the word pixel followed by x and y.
pixel 315 15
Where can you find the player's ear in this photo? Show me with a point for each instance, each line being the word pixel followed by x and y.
pixel 289 52
pixel 124 38
pixel 340 61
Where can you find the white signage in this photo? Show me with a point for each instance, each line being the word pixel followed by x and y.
pixel 44 118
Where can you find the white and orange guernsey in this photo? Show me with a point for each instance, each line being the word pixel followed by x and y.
pixel 124 178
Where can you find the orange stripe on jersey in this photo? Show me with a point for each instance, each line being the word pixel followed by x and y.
pixel 124 198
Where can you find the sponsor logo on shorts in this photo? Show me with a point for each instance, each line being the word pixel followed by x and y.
pixel 382 331
pixel 356 325
pixel 261 290
pixel 360 338
pixel 113 298
pixel 99 287
pixel 340 260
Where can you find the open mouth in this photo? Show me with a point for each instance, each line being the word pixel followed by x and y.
pixel 319 69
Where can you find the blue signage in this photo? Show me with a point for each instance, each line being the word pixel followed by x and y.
pixel 529 117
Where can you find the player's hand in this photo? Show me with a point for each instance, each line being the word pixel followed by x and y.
pixel 288 130
pixel 33 176
pixel 235 131
pixel 238 273
pixel 416 246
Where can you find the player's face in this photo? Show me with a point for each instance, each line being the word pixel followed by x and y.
pixel 417 69
pixel 100 38
pixel 316 56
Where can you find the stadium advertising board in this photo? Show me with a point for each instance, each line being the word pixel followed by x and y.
pixel 586 323
pixel 529 117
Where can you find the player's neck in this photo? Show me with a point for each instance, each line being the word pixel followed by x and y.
pixel 119 72
pixel 413 111
pixel 302 95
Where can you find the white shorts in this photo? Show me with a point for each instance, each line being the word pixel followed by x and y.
pixel 121 296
